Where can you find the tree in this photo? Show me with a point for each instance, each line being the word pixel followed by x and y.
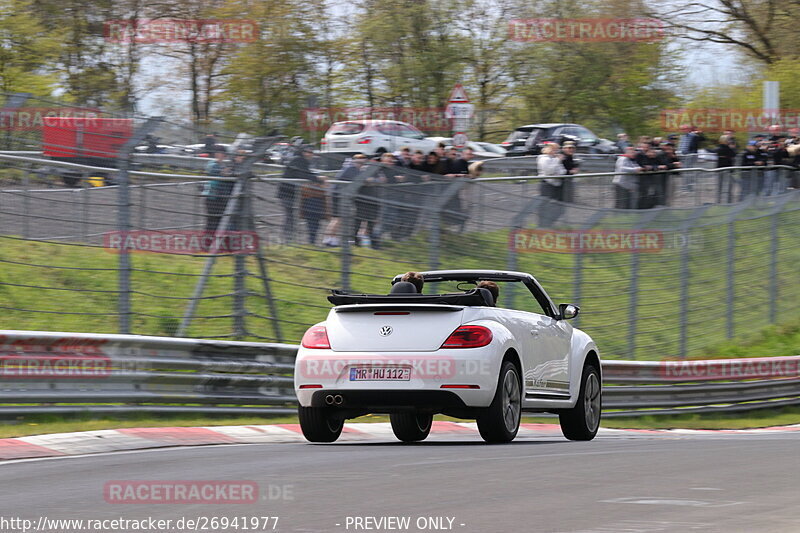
pixel 764 29
pixel 267 80
pixel 27 50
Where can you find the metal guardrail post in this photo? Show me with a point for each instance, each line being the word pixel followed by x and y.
pixel 232 210
pixel 774 242
pixel 26 186
pixel 730 275
pixel 347 227
pixel 86 206
pixel 730 272
pixel 240 267
pixel 684 276
pixel 124 220
pixel 518 222
pixel 633 306
pixel 578 281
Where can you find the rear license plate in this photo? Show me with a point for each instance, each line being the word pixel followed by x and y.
pixel 380 373
pixel 341 144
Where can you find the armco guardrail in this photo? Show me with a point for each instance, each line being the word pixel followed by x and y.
pixel 49 372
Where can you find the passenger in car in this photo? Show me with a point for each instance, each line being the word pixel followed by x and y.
pixel 493 288
pixel 415 278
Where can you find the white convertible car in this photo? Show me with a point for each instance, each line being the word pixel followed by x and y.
pixel 415 355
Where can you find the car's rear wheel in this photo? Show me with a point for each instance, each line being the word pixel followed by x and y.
pixel 500 421
pixel 411 427
pixel 582 421
pixel 319 424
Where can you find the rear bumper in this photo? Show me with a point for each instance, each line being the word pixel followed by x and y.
pixel 377 401
pixel 324 372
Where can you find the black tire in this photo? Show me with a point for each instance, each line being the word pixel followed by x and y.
pixel 380 151
pixel 319 424
pixel 582 421
pixel 499 422
pixel 411 427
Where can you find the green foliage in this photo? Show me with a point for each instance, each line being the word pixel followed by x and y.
pixel 27 50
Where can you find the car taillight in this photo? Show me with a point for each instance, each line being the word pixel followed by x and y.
pixel 505 143
pixel 316 337
pixel 365 140
pixel 324 141
pixel 469 337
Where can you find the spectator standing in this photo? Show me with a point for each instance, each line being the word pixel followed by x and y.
pixel 367 209
pixel 434 164
pixel 216 192
pixel 454 208
pixel 650 192
pixel 549 163
pixel 777 155
pixel 388 175
pixel 572 167
pixel 313 205
pixel 622 142
pixel 349 171
pixel 726 157
pixel 626 181
pixel 459 166
pixel 298 168
pixel 688 145
pixel 210 143
pixel 752 178
pixel 669 159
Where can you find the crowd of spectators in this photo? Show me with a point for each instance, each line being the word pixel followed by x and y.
pixel 640 185
pixel 378 212
pixel 641 180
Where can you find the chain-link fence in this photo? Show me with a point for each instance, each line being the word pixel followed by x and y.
pixel 652 283
pixel 150 244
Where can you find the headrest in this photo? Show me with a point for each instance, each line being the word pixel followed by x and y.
pixel 403 287
pixel 487 296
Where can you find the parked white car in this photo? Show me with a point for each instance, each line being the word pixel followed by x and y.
pixel 413 355
pixel 481 150
pixel 370 137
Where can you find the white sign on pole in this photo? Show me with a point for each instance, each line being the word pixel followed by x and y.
pixel 459 111
pixel 460 140
pixel 772 100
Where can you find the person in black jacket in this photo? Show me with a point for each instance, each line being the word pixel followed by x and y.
pixel 753 178
pixel 650 183
pixel 726 157
pixel 670 160
pixel 298 168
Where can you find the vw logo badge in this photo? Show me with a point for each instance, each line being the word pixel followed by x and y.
pixel 386 331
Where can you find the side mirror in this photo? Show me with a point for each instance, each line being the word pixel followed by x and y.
pixel 568 311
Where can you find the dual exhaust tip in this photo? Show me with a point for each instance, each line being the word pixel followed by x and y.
pixel 334 399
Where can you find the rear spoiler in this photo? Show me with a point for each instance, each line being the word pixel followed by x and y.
pixel 394 308
pixel 473 297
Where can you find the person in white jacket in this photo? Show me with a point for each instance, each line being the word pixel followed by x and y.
pixel 549 164
pixel 626 182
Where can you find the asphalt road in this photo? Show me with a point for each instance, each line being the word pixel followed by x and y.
pixel 620 483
